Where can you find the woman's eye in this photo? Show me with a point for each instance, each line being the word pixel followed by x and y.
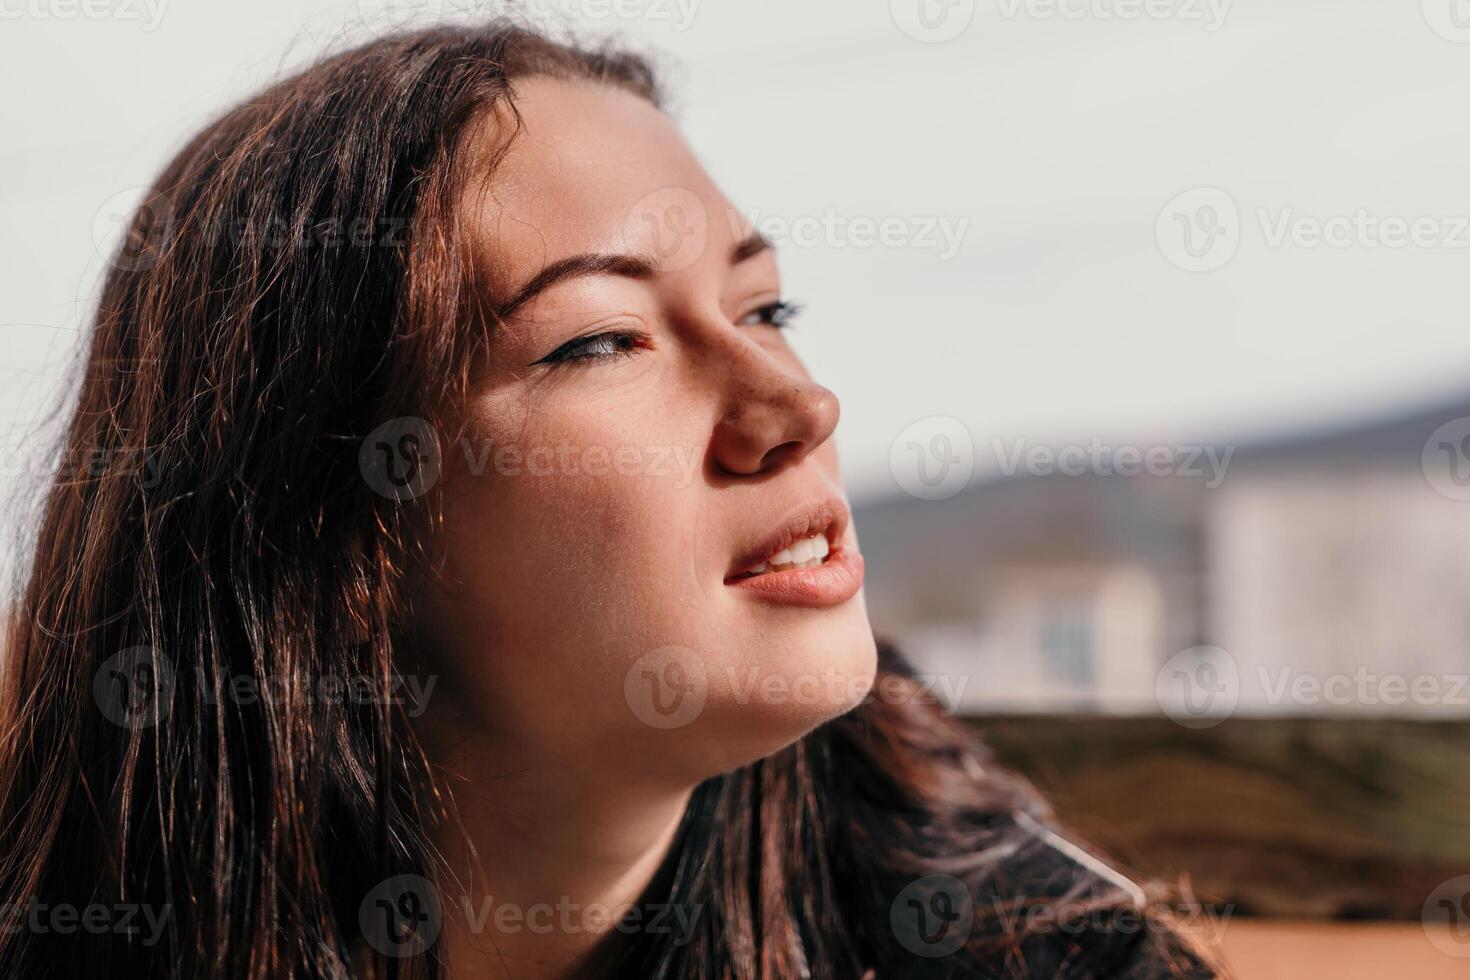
pixel 597 347
pixel 778 314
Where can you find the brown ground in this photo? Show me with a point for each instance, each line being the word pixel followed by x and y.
pixel 1258 949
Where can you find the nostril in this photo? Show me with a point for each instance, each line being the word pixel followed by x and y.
pixel 781 454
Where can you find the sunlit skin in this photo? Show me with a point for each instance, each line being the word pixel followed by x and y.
pixel 558 586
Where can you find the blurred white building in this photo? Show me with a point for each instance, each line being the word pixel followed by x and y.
pixel 1333 568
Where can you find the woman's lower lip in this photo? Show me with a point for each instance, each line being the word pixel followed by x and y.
pixel 833 582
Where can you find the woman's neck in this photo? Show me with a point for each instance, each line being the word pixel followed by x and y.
pixel 546 856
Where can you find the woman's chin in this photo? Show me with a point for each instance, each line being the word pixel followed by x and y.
pixel 764 704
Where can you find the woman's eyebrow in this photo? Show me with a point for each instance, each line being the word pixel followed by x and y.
pixel 612 264
pixel 751 245
pixel 573 266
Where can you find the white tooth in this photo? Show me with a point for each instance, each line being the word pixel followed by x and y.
pixel 820 547
pixel 760 569
pixel 782 557
pixel 801 550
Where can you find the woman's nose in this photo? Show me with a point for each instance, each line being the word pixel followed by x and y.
pixel 770 418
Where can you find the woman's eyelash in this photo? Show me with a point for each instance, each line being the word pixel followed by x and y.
pixel 622 343
pixel 613 343
pixel 778 314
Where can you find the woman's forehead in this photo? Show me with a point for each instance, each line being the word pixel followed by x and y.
pixel 593 169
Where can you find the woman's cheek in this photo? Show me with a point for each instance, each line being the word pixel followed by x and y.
pixel 592 516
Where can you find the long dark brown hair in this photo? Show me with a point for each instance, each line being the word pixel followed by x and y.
pixel 296 276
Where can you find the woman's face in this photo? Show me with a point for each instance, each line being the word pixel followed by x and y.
pixel 641 437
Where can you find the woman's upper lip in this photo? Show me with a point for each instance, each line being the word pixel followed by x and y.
pixel 828 516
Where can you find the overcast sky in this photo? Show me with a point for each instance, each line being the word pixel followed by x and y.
pixel 1036 165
